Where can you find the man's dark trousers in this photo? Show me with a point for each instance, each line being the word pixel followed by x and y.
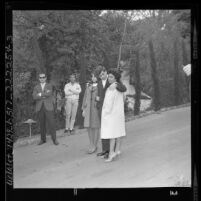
pixel 46 119
pixel 105 142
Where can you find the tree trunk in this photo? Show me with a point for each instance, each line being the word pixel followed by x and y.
pixel 176 74
pixel 137 85
pixel 120 47
pixel 156 88
pixel 82 81
pixel 39 55
pixel 106 62
pixel 42 42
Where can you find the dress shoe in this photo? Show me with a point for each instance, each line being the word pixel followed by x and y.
pixel 106 156
pixel 101 153
pixel 41 142
pixel 56 142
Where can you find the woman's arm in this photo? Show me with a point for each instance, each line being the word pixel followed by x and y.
pixel 111 102
pixel 98 92
pixel 84 99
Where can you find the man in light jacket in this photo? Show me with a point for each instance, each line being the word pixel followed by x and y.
pixel 72 91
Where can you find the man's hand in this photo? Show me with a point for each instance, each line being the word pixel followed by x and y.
pixel 120 87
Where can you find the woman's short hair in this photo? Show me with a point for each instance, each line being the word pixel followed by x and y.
pixel 96 73
pixel 116 73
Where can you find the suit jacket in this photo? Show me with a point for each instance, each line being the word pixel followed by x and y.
pixel 46 97
pixel 121 87
pixel 101 93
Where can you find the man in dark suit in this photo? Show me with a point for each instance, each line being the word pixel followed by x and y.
pixel 44 108
pixel 103 84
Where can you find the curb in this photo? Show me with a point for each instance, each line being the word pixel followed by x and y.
pixel 36 138
pixel 60 133
pixel 156 112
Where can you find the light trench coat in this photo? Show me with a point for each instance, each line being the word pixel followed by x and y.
pixel 90 111
pixel 113 117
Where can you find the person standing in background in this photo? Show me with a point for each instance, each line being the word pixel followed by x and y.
pixel 187 71
pixel 43 95
pixel 72 91
pixel 90 113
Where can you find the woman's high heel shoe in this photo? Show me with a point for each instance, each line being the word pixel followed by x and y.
pixel 92 151
pixel 111 157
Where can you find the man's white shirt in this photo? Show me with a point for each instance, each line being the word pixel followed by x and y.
pixel 42 85
pixel 104 83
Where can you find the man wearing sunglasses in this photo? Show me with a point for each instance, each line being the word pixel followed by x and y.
pixel 44 108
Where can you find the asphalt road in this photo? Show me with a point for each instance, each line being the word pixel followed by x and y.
pixel 155 153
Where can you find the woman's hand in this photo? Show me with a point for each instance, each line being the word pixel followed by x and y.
pixel 90 87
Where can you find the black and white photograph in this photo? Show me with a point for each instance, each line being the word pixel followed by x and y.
pixel 102 98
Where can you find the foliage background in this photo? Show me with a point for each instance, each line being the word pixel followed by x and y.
pixel 60 42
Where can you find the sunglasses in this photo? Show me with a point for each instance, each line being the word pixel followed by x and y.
pixel 42 77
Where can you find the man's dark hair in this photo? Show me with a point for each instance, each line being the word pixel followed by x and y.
pixel 73 74
pixel 95 73
pixel 100 68
pixel 41 73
